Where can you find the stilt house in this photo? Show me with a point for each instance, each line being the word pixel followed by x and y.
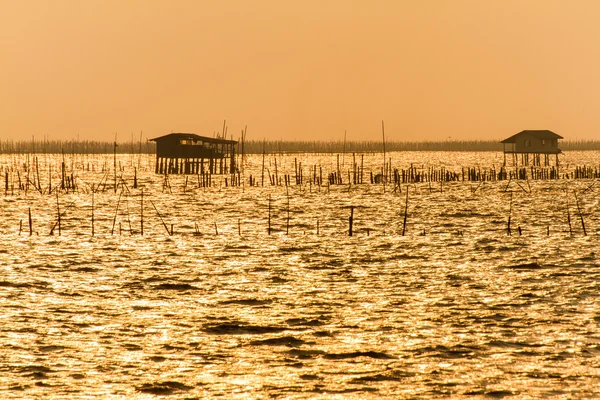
pixel 188 153
pixel 534 143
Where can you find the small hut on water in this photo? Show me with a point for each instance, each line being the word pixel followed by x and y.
pixel 188 153
pixel 532 142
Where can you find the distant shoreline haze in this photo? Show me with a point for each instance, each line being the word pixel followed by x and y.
pixel 273 146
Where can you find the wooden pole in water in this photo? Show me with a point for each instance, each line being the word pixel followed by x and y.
pixel 405 212
pixel 62 182
pixel 262 180
pixel 354 172
pixel 30 223
pixel 57 223
pixel 351 220
pixel 509 214
pixel 339 173
pixel 269 221
pixel 161 219
pixel 58 212
pixel 37 171
pixel 243 151
pixel 580 214
pixel 344 151
pixel 112 231
pixel 276 173
pixel 142 214
pixel 140 150
pixel 287 224
pixel 569 216
pixel 115 162
pixel 296 170
pixel 362 168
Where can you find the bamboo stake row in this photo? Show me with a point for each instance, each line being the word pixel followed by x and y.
pixel 62 211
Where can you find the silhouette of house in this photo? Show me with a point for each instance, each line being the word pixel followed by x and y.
pixel 188 153
pixel 532 142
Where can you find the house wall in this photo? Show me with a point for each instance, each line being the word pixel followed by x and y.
pixel 530 144
pixel 171 148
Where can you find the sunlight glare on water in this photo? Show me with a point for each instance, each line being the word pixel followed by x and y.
pixel 456 307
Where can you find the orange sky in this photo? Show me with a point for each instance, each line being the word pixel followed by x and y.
pixel 431 69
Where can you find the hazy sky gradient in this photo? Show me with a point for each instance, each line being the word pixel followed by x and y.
pixel 464 69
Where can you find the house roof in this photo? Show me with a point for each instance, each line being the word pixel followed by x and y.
pixel 193 136
pixel 539 134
